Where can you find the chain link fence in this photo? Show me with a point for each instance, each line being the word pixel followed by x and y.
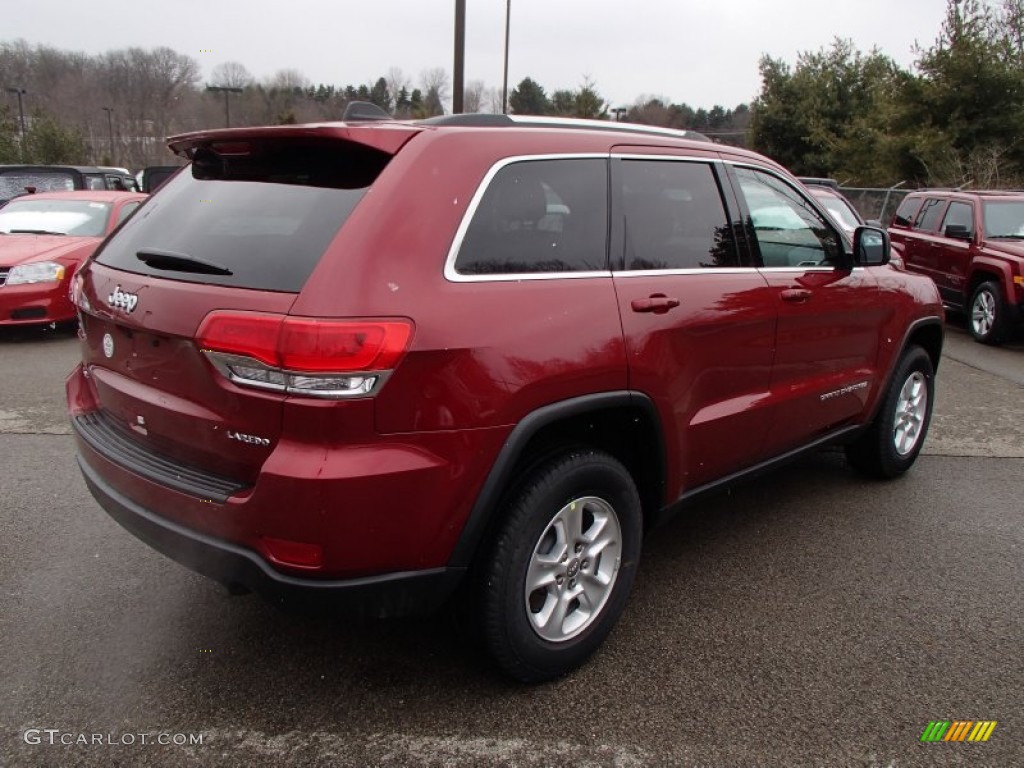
pixel 874 203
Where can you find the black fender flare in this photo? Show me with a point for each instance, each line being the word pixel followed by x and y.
pixel 486 504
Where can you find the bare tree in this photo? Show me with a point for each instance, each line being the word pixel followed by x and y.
pixel 397 81
pixel 231 74
pixel 436 86
pixel 473 96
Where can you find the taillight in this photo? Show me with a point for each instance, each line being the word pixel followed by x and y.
pixel 303 355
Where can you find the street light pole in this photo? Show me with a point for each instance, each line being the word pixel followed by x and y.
pixel 458 88
pixel 21 116
pixel 504 87
pixel 110 128
pixel 227 91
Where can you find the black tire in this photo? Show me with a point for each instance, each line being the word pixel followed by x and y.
pixel 891 444
pixel 986 314
pixel 581 486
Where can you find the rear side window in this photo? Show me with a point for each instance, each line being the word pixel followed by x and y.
pixel 13 183
pixel 931 214
pixel 907 211
pixel 675 218
pixel 262 213
pixel 540 216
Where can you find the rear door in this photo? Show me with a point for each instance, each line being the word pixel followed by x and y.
pixel 698 318
pixel 923 246
pixel 953 255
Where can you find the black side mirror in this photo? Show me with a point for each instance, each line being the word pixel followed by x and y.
pixel 871 247
pixel 958 232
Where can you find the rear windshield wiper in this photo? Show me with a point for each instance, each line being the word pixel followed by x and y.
pixel 1005 237
pixel 35 232
pixel 180 262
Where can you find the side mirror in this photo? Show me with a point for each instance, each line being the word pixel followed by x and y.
pixel 871 247
pixel 958 232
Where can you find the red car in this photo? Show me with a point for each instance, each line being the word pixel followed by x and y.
pixel 377 361
pixel 44 240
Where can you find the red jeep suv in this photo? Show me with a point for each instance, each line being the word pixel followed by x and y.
pixel 372 361
pixel 972 245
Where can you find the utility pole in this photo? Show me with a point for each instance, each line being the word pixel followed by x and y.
pixel 504 87
pixel 227 91
pixel 458 87
pixel 21 116
pixel 110 129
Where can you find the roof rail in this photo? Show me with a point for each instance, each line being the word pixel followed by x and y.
pixel 538 121
pixel 483 120
pixel 469 120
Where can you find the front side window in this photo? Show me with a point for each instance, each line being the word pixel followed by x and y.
pixel 540 216
pixel 788 231
pixel 675 217
pixel 959 214
pixel 126 210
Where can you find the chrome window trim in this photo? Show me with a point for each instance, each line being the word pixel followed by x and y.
pixel 680 272
pixel 453 276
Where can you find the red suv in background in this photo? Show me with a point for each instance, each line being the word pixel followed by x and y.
pixel 972 245
pixel 375 361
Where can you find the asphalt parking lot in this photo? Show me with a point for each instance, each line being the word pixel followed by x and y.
pixel 809 618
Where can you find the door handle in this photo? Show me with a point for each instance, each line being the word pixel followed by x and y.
pixel 657 303
pixel 795 295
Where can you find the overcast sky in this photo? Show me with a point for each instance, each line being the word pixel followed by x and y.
pixel 702 52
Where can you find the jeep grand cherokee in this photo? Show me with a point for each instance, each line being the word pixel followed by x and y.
pixel 375 361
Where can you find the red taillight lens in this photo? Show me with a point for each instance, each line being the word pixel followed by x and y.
pixel 306 344
pixel 329 346
pixel 242 333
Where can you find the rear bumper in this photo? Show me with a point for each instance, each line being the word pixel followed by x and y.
pixel 394 594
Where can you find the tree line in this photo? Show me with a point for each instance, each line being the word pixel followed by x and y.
pixel 858 117
pixel 864 120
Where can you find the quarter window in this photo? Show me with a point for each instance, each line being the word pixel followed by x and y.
pixel 674 215
pixel 788 230
pixel 540 216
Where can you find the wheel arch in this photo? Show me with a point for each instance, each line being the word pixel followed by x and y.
pixel 624 424
pixel 984 270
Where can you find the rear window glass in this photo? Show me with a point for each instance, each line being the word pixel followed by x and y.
pixel 265 213
pixel 13 183
pixel 540 216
